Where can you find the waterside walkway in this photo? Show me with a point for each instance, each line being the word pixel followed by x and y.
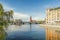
pixel 49 26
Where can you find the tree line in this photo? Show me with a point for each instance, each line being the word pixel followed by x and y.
pixel 6 17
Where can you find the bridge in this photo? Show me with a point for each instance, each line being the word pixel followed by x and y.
pixel 18 22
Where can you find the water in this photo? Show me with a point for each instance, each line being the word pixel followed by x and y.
pixel 25 32
pixel 29 32
pixel 52 34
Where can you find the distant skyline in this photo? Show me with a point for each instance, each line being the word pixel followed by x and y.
pixel 23 9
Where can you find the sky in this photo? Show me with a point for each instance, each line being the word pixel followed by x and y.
pixel 23 9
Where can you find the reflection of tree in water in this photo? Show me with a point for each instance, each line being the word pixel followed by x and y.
pixel 3 34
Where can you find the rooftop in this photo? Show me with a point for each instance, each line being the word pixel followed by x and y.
pixel 54 8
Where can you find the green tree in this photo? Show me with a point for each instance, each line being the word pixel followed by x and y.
pixel 1 14
pixel 11 16
pixel 4 21
pixel 2 32
pixel 7 14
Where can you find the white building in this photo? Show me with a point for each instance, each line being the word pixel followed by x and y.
pixel 53 16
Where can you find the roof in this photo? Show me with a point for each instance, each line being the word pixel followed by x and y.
pixel 54 8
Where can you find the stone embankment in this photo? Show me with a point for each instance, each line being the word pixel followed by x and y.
pixel 50 26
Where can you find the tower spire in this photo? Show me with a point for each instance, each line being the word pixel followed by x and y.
pixel 30 18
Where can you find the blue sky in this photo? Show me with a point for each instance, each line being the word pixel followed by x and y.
pixel 25 8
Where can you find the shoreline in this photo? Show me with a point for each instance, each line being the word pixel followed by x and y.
pixel 50 26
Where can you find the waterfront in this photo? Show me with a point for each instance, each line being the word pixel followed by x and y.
pixel 52 31
pixel 29 32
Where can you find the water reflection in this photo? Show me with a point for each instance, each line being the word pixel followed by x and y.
pixel 30 27
pixel 26 32
pixel 29 32
pixel 52 34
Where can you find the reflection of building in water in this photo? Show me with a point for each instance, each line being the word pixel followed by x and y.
pixel 53 15
pixel 52 35
pixel 30 27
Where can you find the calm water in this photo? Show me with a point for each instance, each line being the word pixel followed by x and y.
pixel 29 32
pixel 25 32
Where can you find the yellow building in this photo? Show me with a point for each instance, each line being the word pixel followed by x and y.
pixel 53 15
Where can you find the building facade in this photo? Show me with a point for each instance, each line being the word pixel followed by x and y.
pixel 53 16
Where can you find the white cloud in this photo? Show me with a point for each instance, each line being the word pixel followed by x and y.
pixel 17 15
pixel 38 18
pixel 20 16
pixel 7 8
